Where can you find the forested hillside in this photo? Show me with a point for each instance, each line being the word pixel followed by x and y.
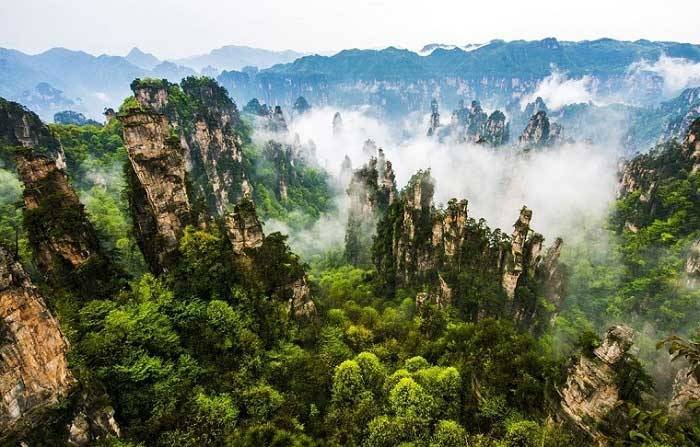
pixel 162 313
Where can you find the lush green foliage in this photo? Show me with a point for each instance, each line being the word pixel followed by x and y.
pixel 95 156
pixel 635 269
pixel 308 194
pixel 207 354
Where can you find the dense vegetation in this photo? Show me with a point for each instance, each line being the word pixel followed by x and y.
pixel 204 355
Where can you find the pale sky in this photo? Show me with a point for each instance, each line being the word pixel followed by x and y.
pixel 177 28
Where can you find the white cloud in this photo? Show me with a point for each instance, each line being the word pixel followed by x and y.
pixel 104 97
pixel 564 186
pixel 677 73
pixel 558 90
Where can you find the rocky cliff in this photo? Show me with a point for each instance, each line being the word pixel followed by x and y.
pixel 496 130
pixel 682 111
pixel 275 121
pixel 34 373
pixel 65 244
pixel 254 107
pixel 686 389
pixel 206 122
pixel 371 191
pixel 300 107
pixel 434 122
pixel 461 260
pixel 243 227
pixel 158 196
pixel 642 178
pixel 185 150
pixel 34 370
pixel 186 169
pixel 539 132
pixel 592 388
pixel 267 118
pixel 286 160
pixel 471 124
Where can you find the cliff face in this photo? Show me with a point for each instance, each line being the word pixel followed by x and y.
pixel 686 388
pixel 205 120
pixel 642 180
pixel 434 118
pixel 496 130
pixel 34 374
pixel 592 390
pixel 21 128
pixel 692 265
pixel 471 124
pixel 371 191
pixel 186 169
pixel 686 109
pixel 34 370
pixel 243 227
pixel 214 149
pixel 395 97
pixel 159 201
pixel 186 158
pixel 481 271
pixel 268 118
pixel 64 242
pixel 539 132
pixel 282 157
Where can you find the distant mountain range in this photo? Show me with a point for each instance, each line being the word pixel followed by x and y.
pixel 498 58
pixel 60 79
pixel 428 49
pixel 398 81
pixel 235 57
pixel 395 81
pixel 141 59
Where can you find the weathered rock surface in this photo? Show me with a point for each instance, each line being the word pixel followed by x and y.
pixel 187 162
pixel 64 242
pixel 457 256
pixel 300 303
pixel 187 169
pixel 214 149
pixel 539 132
pixel 591 390
pixel 34 370
pixel 243 227
pixel 21 128
pixel 283 157
pixel 300 107
pixel 434 118
pixel 687 108
pixel 692 265
pixel 159 201
pixel 93 421
pixel 471 124
pixel 538 105
pixel 496 130
pixel 691 143
pixel 206 127
pixel 521 230
pixel 641 177
pixel 254 107
pixel 686 388
pixel 276 121
pixel 371 191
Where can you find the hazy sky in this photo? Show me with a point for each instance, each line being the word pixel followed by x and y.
pixel 175 28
